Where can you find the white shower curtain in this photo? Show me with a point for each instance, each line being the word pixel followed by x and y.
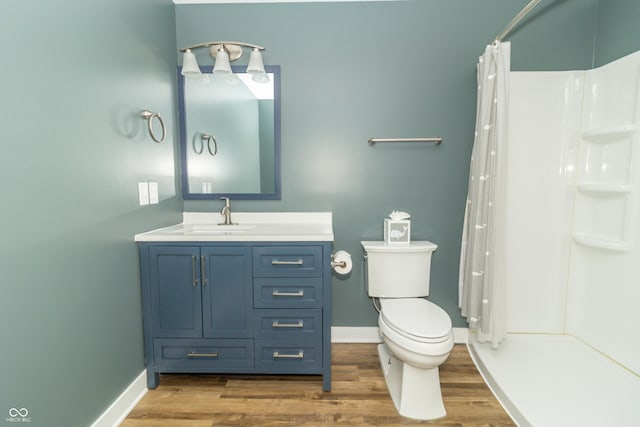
pixel 482 287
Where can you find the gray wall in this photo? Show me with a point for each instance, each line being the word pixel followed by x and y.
pixel 351 71
pixel 618 30
pixel 74 76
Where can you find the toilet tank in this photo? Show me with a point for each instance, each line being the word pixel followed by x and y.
pixel 395 271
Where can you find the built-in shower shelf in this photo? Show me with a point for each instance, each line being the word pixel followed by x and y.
pixel 609 134
pixel 605 188
pixel 600 243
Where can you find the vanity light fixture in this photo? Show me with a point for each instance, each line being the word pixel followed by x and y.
pixel 225 52
pixel 189 64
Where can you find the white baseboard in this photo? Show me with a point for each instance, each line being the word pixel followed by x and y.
pixel 370 334
pixel 360 334
pixel 460 335
pixel 120 408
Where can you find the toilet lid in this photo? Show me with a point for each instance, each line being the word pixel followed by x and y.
pixel 416 317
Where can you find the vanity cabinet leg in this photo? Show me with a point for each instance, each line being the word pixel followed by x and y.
pixel 153 379
pixel 326 382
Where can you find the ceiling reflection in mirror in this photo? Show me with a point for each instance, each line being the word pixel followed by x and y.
pixel 230 134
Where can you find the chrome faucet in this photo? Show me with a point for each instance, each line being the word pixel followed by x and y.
pixel 226 211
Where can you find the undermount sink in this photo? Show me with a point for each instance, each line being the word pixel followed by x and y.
pixel 216 228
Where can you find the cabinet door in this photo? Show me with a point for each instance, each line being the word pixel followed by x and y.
pixel 175 291
pixel 227 292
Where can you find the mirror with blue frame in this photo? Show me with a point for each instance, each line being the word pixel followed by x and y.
pixel 230 134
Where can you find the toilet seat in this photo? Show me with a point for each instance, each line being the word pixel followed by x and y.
pixel 416 319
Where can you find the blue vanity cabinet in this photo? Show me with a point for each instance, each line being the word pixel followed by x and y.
pixel 287 290
pixel 200 292
pixel 197 303
pixel 237 307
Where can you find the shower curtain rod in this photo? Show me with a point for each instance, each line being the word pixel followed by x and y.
pixel 516 20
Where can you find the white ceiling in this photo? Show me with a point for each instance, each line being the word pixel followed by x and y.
pixel 269 1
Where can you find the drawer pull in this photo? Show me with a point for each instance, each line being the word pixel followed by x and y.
pixel 203 354
pixel 277 324
pixel 279 262
pixel 277 355
pixel 277 293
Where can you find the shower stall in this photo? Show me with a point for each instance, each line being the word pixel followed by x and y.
pixel 572 354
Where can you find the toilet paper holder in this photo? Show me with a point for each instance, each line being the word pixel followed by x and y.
pixel 341 262
pixel 334 264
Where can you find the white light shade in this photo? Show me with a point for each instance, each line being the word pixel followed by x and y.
pixel 189 64
pixel 255 63
pixel 222 65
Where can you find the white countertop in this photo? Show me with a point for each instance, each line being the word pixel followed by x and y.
pixel 249 227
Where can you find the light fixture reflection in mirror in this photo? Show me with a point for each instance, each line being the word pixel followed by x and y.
pixel 244 117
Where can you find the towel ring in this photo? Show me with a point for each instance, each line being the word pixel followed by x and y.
pixel 149 116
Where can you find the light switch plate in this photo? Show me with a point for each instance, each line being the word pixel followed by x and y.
pixel 153 193
pixel 143 193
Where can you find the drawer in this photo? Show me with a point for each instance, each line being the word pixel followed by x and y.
pixel 287 261
pixel 289 357
pixel 202 355
pixel 288 324
pixel 287 293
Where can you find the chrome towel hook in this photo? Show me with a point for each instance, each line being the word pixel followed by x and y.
pixel 149 116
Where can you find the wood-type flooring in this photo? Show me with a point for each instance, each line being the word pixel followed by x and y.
pixel 359 397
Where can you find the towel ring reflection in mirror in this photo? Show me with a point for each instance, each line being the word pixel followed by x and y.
pixel 208 138
pixel 149 116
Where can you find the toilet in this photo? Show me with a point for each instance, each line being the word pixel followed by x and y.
pixel 416 334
